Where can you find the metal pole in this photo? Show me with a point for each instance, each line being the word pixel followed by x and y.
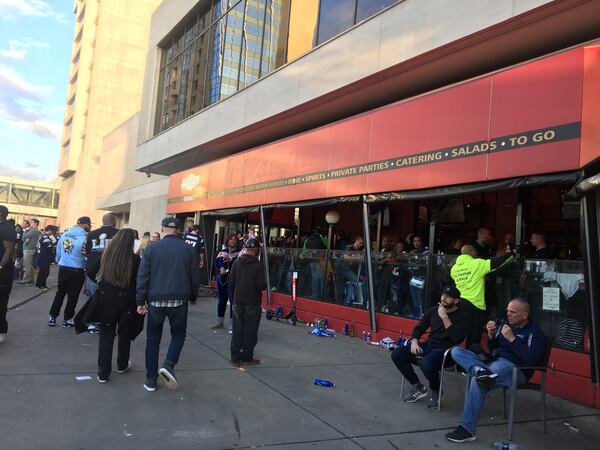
pixel 298 237
pixel 367 239
pixel 379 226
pixel 430 262
pixel 265 258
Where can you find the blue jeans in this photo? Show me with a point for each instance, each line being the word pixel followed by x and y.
pixel 178 322
pixel 316 279
pixel 90 287
pixel 430 365
pixel 417 299
pixel 476 396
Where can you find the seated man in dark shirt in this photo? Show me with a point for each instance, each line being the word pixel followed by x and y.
pixel 518 343
pixel 448 328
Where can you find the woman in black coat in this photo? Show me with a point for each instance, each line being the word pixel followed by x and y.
pixel 114 302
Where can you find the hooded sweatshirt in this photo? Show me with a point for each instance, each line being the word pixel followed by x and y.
pixel 247 280
pixel 70 248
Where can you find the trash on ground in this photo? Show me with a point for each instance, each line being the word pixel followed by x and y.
pixel 83 378
pixel 387 342
pixel 571 427
pixel 324 383
pixel 327 332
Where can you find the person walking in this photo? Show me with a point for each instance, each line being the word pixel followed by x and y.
pixel 44 257
pixel 223 264
pixel 246 281
pixel 113 306
pixel 30 241
pixel 8 239
pixel 168 278
pixel 96 243
pixel 71 259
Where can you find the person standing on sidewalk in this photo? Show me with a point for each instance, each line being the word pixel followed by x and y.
pixel 113 305
pixel 8 239
pixel 71 259
pixel 45 252
pixel 246 281
pixel 168 278
pixel 96 243
pixel 30 241
pixel 224 262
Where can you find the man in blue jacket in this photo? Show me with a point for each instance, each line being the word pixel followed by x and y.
pixel 71 257
pixel 518 343
pixel 168 278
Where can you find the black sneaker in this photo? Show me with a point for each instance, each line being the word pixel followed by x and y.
pixel 68 323
pixel 485 378
pixel 433 401
pixel 460 435
pixel 416 394
pixel 168 375
pixel 52 321
pixel 150 384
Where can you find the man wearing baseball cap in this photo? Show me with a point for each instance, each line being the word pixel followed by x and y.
pixel 168 278
pixel 448 327
pixel 71 258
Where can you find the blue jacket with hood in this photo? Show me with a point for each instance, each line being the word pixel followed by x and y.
pixel 70 248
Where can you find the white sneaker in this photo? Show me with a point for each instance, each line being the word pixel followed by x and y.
pixel 2 337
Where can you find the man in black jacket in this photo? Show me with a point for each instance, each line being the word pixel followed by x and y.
pixel 448 327
pixel 168 278
pixel 246 281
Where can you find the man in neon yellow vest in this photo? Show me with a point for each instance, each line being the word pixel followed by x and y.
pixel 469 274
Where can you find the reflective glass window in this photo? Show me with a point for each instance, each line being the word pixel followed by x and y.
pixel 335 16
pixel 254 28
pixel 232 45
pixel 303 27
pixel 366 8
pixel 275 36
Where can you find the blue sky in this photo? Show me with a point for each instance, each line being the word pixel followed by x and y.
pixel 36 38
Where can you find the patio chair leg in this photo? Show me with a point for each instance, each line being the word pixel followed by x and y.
pixel 504 401
pixel 439 406
pixel 543 394
pixel 513 401
pixel 402 388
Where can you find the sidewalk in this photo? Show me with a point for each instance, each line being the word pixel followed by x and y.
pixel 43 406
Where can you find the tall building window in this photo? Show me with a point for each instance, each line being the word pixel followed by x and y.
pixel 229 44
pixel 335 16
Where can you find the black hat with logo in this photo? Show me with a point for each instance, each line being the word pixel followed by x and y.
pixel 171 222
pixel 451 291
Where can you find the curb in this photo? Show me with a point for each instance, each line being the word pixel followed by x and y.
pixel 27 300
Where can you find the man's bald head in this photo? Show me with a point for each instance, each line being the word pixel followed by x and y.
pixel 518 311
pixel 468 250
pixel 109 219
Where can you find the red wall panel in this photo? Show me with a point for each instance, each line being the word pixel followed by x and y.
pixel 590 123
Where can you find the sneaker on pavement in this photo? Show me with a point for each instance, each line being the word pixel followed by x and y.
pixel 417 393
pixel 485 378
pixel 235 362
pixel 460 435
pixel 68 323
pixel 126 369
pixel 52 321
pixel 251 362
pixel 216 326
pixel 150 384
pixel 2 337
pixel 168 375
pixel 433 401
pixel 102 380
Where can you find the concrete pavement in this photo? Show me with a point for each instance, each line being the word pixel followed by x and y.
pixel 43 406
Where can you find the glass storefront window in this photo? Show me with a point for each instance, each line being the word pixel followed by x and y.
pixel 335 16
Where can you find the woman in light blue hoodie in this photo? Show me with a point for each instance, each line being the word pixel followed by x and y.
pixel 71 258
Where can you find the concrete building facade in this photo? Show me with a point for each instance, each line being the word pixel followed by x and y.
pixel 109 47
pixel 398 117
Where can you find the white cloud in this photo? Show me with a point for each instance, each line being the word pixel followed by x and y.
pixel 11 171
pixel 15 93
pixel 11 9
pixel 40 127
pixel 18 49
